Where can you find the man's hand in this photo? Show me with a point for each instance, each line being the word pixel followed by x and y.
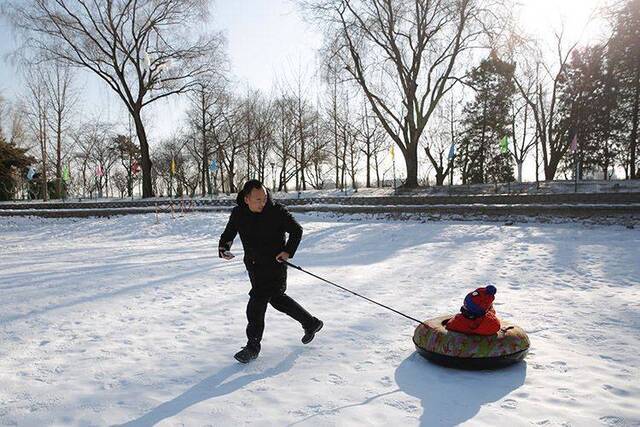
pixel 282 256
pixel 224 253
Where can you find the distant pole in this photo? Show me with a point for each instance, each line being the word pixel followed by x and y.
pixel 537 177
pixel 394 174
pixel 451 179
pixel 273 175
pixel 575 173
pixel 130 174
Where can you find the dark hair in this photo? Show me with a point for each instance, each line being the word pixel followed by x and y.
pixel 252 184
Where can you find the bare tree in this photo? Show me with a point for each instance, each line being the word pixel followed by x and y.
pixel 284 137
pixel 524 137
pixel 441 133
pixel 261 121
pixel 13 122
pixel 129 154
pixel 4 114
pixel 372 138
pixel 170 151
pixel 96 152
pixel 319 155
pixel 36 113
pixel 539 85
pixel 121 181
pixel 145 50
pixel 228 138
pixel 58 80
pixel 402 54
pixel 203 114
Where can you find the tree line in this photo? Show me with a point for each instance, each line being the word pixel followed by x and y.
pixel 453 82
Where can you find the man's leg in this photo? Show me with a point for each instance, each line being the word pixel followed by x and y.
pixel 256 309
pixel 287 305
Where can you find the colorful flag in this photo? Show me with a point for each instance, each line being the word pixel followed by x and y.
pixel 452 151
pixel 30 173
pixel 99 170
pixel 504 145
pixel 135 167
pixel 213 166
pixel 173 166
pixel 393 154
pixel 574 143
pixel 66 176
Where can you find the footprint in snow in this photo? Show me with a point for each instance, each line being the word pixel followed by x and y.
pixel 613 421
pixel 336 379
pixel 615 390
pixel 509 404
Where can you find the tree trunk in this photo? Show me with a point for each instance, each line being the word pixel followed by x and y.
pixel 520 170
pixel 147 190
pixel 551 168
pixel 633 143
pixel 206 179
pixel 43 149
pixel 59 155
pixel 411 162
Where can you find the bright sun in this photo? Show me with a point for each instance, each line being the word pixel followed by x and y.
pixel 579 18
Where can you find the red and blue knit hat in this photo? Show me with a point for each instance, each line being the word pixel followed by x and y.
pixel 477 303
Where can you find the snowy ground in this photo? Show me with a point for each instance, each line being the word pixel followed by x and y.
pixel 125 321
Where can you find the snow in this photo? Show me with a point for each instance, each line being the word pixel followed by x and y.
pixel 127 321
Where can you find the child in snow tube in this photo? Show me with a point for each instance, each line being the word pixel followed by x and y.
pixel 473 338
pixel 477 315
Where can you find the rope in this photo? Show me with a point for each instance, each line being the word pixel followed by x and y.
pixel 354 293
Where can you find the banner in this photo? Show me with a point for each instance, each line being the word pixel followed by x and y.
pixel 504 145
pixel 66 176
pixel 30 173
pixel 452 151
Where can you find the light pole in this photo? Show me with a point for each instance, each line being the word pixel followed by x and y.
pixel 273 175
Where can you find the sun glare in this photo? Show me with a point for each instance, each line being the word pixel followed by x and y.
pixel 579 18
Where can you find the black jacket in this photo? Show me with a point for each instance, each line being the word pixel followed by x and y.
pixel 263 237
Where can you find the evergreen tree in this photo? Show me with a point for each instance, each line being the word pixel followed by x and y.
pixel 13 164
pixel 625 55
pixel 587 101
pixel 486 122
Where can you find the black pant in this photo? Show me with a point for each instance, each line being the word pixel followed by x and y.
pixel 257 308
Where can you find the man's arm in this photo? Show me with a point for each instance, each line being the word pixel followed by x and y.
pixel 227 236
pixel 294 230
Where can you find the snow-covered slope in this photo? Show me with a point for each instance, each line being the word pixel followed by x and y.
pixel 125 321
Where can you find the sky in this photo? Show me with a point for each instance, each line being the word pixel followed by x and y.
pixel 265 39
pixel 268 40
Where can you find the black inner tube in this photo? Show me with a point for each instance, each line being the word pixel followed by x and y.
pixel 472 363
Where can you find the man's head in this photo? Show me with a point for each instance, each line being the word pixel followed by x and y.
pixel 255 195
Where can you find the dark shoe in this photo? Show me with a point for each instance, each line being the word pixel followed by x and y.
pixel 310 332
pixel 247 354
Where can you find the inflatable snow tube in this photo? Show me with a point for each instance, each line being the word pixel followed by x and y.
pixel 457 350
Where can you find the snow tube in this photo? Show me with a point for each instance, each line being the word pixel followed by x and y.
pixel 457 350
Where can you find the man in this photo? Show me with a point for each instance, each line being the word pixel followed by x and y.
pixel 262 225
